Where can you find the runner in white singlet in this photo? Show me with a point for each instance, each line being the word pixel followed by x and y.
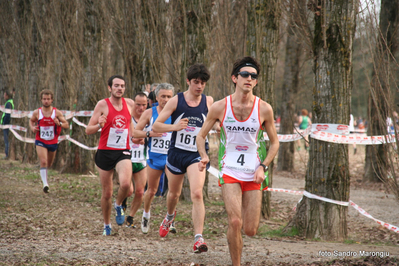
pixel 242 154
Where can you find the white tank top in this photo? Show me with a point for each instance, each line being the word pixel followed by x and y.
pixel 138 150
pixel 240 143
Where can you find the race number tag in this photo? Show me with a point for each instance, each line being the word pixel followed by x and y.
pixel 117 138
pixel 186 138
pixel 161 144
pixel 241 158
pixel 47 133
pixel 137 153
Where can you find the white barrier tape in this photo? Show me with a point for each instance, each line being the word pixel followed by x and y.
pixel 335 133
pixel 13 127
pixel 60 138
pixel 290 137
pixel 81 124
pixel 68 137
pixel 23 139
pixel 295 192
pixel 337 138
pixel 343 203
pixel 313 196
pixel 84 113
pixel 353 138
pixel 386 225
pixel 21 114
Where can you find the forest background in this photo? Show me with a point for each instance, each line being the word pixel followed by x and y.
pixel 72 47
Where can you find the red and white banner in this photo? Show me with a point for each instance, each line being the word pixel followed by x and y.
pixel 331 128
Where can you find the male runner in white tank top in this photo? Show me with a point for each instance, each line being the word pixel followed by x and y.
pixel 243 162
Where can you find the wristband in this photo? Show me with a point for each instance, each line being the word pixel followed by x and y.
pixel 265 168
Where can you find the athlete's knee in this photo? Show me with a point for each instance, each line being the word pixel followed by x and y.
pixel 174 194
pixel 139 193
pixel 130 192
pixel 125 186
pixel 235 223
pixel 107 194
pixel 196 195
pixel 151 191
pixel 250 231
pixel 43 162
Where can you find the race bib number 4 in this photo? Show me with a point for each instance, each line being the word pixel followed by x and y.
pixel 186 138
pixel 161 144
pixel 47 133
pixel 241 158
pixel 117 138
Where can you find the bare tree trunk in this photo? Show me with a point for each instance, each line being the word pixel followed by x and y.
pixel 290 88
pixel 263 33
pixel 328 168
pixel 380 97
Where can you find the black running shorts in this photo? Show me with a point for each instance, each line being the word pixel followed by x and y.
pixel 107 159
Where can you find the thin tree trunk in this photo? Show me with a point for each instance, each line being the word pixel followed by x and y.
pixel 290 88
pixel 380 97
pixel 263 33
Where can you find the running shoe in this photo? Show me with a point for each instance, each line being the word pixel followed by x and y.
pixel 107 230
pixel 120 215
pixel 165 225
pixel 172 228
pixel 124 205
pixel 145 225
pixel 200 246
pixel 129 222
pixel 45 189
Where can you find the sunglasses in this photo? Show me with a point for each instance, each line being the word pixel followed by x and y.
pixel 246 74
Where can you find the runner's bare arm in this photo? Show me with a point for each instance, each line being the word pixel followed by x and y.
pixel 209 101
pixel 143 121
pixel 266 114
pixel 98 119
pixel 130 105
pixel 160 126
pixel 33 121
pixel 61 119
pixel 213 117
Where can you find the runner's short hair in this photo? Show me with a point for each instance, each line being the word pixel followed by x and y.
pixel 46 92
pixel 164 86
pixel 141 94
pixel 111 79
pixel 243 62
pixel 198 71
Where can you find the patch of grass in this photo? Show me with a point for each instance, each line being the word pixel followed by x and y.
pixel 265 231
pixel 214 203
pixel 350 241
pixel 30 176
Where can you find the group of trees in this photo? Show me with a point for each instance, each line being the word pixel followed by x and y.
pixel 72 47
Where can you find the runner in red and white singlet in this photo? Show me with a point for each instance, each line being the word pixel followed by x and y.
pixel 47 123
pixel 113 116
pixel 115 133
pixel 48 131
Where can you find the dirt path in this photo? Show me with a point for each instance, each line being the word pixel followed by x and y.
pixel 64 227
